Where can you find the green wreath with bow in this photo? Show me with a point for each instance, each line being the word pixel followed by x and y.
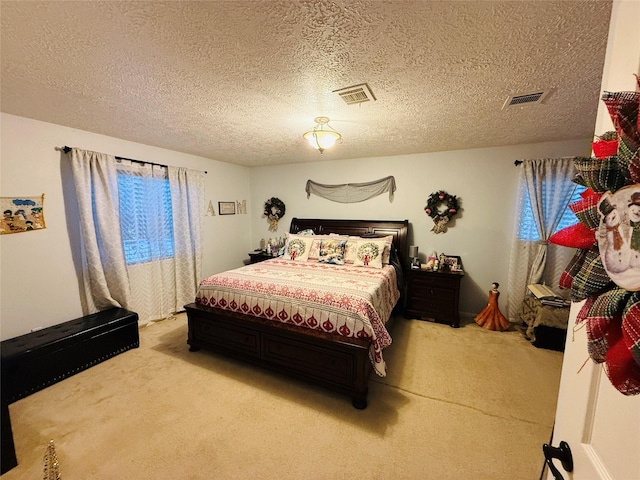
pixel 274 210
pixel 441 207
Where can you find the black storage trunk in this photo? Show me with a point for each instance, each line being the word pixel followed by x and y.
pixel 38 359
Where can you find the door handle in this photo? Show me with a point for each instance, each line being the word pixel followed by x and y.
pixel 562 453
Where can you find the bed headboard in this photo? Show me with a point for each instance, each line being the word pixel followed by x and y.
pixel 398 228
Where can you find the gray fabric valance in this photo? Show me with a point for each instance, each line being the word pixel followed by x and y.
pixel 352 192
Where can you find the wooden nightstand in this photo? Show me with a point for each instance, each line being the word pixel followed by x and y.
pixel 259 256
pixel 433 296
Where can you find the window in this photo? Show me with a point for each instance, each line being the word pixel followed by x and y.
pixel 528 230
pixel 145 218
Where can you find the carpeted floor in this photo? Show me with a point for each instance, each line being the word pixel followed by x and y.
pixel 456 403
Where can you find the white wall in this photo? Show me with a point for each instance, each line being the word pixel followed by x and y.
pixel 39 269
pixel 485 181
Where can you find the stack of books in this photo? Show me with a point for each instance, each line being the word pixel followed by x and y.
pixel 547 296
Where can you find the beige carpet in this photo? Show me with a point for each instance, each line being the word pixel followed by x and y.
pixel 456 403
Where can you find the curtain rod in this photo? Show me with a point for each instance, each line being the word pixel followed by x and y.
pixel 517 162
pixel 66 149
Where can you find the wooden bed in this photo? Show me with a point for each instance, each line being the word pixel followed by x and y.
pixel 337 363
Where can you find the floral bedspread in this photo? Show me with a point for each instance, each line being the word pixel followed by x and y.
pixel 342 299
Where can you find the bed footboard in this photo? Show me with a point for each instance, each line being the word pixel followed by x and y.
pixel 337 363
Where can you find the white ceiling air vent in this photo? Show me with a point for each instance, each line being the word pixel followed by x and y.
pixel 525 99
pixel 356 94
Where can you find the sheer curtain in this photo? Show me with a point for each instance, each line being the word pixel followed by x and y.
pixel 547 186
pixel 152 227
pixel 146 223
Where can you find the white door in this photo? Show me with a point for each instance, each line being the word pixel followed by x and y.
pixel 600 424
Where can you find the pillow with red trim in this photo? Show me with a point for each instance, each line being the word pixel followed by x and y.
pixel 297 247
pixel 369 253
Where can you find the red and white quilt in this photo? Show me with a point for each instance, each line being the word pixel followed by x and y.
pixel 342 299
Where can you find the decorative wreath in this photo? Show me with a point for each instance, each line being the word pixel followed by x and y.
pixel 274 210
pixel 611 311
pixel 441 216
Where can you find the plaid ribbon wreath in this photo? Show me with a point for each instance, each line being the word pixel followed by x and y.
pixel 612 321
pixel 601 174
pixel 623 110
pixel 586 209
pixel 611 313
pixel 590 277
pixel 572 269
pixel 632 160
pixel 602 313
pixel 574 236
pixel 631 326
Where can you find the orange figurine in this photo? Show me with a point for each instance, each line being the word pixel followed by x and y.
pixel 491 317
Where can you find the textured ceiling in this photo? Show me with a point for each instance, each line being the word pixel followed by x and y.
pixel 240 81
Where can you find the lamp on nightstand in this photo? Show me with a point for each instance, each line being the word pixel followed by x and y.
pixel 413 257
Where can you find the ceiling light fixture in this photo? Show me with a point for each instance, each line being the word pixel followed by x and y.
pixel 323 135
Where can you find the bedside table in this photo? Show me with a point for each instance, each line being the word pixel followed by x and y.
pixel 433 296
pixel 255 257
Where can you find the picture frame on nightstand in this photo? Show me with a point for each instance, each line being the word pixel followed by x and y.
pixel 453 263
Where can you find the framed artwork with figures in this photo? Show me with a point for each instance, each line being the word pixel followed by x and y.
pixel 453 263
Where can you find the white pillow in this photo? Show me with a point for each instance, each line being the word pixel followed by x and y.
pixel 369 253
pixel 314 253
pixel 297 247
pixel 351 247
pixel 386 255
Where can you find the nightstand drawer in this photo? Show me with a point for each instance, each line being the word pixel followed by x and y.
pixel 446 295
pixel 440 282
pixel 432 305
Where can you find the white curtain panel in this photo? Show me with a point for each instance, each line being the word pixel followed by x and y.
pixel 142 234
pixel 548 184
pixel 187 198
pixel 104 271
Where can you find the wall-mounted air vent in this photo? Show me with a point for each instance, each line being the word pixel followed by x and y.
pixel 356 94
pixel 525 99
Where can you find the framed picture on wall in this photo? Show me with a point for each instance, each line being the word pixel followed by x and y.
pixel 21 214
pixel 227 208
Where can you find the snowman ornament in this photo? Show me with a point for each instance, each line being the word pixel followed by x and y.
pixel 618 236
